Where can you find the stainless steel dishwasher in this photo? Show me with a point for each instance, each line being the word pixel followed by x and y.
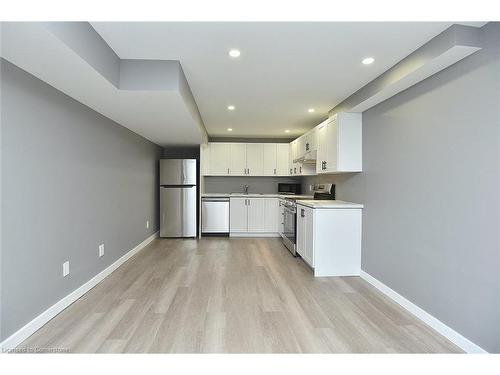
pixel 215 215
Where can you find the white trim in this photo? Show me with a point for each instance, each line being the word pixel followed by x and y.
pixel 254 234
pixel 455 337
pixel 22 334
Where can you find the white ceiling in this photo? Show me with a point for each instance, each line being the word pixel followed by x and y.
pixel 284 68
pixel 160 115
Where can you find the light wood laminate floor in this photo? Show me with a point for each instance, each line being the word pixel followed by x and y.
pixel 223 295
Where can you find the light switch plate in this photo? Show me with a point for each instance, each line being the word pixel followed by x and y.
pixel 101 250
pixel 66 268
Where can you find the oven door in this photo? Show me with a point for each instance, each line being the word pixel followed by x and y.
pixel 290 228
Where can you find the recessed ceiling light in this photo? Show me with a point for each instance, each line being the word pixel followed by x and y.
pixel 311 110
pixel 234 52
pixel 229 129
pixel 231 107
pixel 368 60
pixel 287 131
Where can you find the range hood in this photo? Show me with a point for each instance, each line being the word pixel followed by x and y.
pixel 308 158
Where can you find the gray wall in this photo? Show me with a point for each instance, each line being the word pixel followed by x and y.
pixel 71 179
pixel 430 185
pixel 268 185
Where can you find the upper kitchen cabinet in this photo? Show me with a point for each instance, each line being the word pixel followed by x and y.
pixel 293 152
pixel 245 159
pixel 302 164
pixel 282 162
pixel 340 144
pixel 276 159
pixel 238 159
pixel 220 159
pixel 271 159
pixel 307 145
pixel 255 159
pixel 205 159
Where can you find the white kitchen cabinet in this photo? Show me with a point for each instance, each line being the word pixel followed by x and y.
pixel 295 167
pixel 309 238
pixel 255 159
pixel 246 159
pixel 281 216
pixel 276 161
pixel 220 159
pixel 238 215
pixel 305 234
pixel 256 218
pixel 300 234
pixel 329 240
pixel 282 159
pixel 300 150
pixel 312 140
pixel 307 144
pixel 340 144
pixel 272 217
pixel 321 155
pixel 270 159
pixel 238 159
pixel 205 159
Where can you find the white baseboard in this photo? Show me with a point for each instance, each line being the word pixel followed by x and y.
pixel 455 337
pixel 254 234
pixel 22 334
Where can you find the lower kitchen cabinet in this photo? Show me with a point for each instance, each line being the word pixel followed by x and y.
pixel 257 217
pixel 271 214
pixel 305 234
pixel 238 215
pixel 329 240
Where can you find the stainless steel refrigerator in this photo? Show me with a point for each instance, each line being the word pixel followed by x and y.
pixel 178 198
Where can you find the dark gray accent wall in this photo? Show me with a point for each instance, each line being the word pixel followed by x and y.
pixel 268 185
pixel 431 189
pixel 71 180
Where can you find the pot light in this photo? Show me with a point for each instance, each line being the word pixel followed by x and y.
pixel 234 53
pixel 229 129
pixel 231 107
pixel 287 131
pixel 368 60
pixel 311 110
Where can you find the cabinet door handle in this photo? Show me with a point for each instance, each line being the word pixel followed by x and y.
pixel 290 170
pixel 300 169
pixel 302 213
pixel 274 170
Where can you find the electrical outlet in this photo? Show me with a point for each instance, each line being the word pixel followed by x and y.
pixel 311 187
pixel 101 250
pixel 66 268
pixel 147 224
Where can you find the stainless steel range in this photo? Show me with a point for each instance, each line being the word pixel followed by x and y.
pixel 321 191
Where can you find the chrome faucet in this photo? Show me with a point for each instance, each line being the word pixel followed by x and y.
pixel 246 189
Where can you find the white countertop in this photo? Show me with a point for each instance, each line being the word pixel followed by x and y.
pixel 253 195
pixel 328 204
